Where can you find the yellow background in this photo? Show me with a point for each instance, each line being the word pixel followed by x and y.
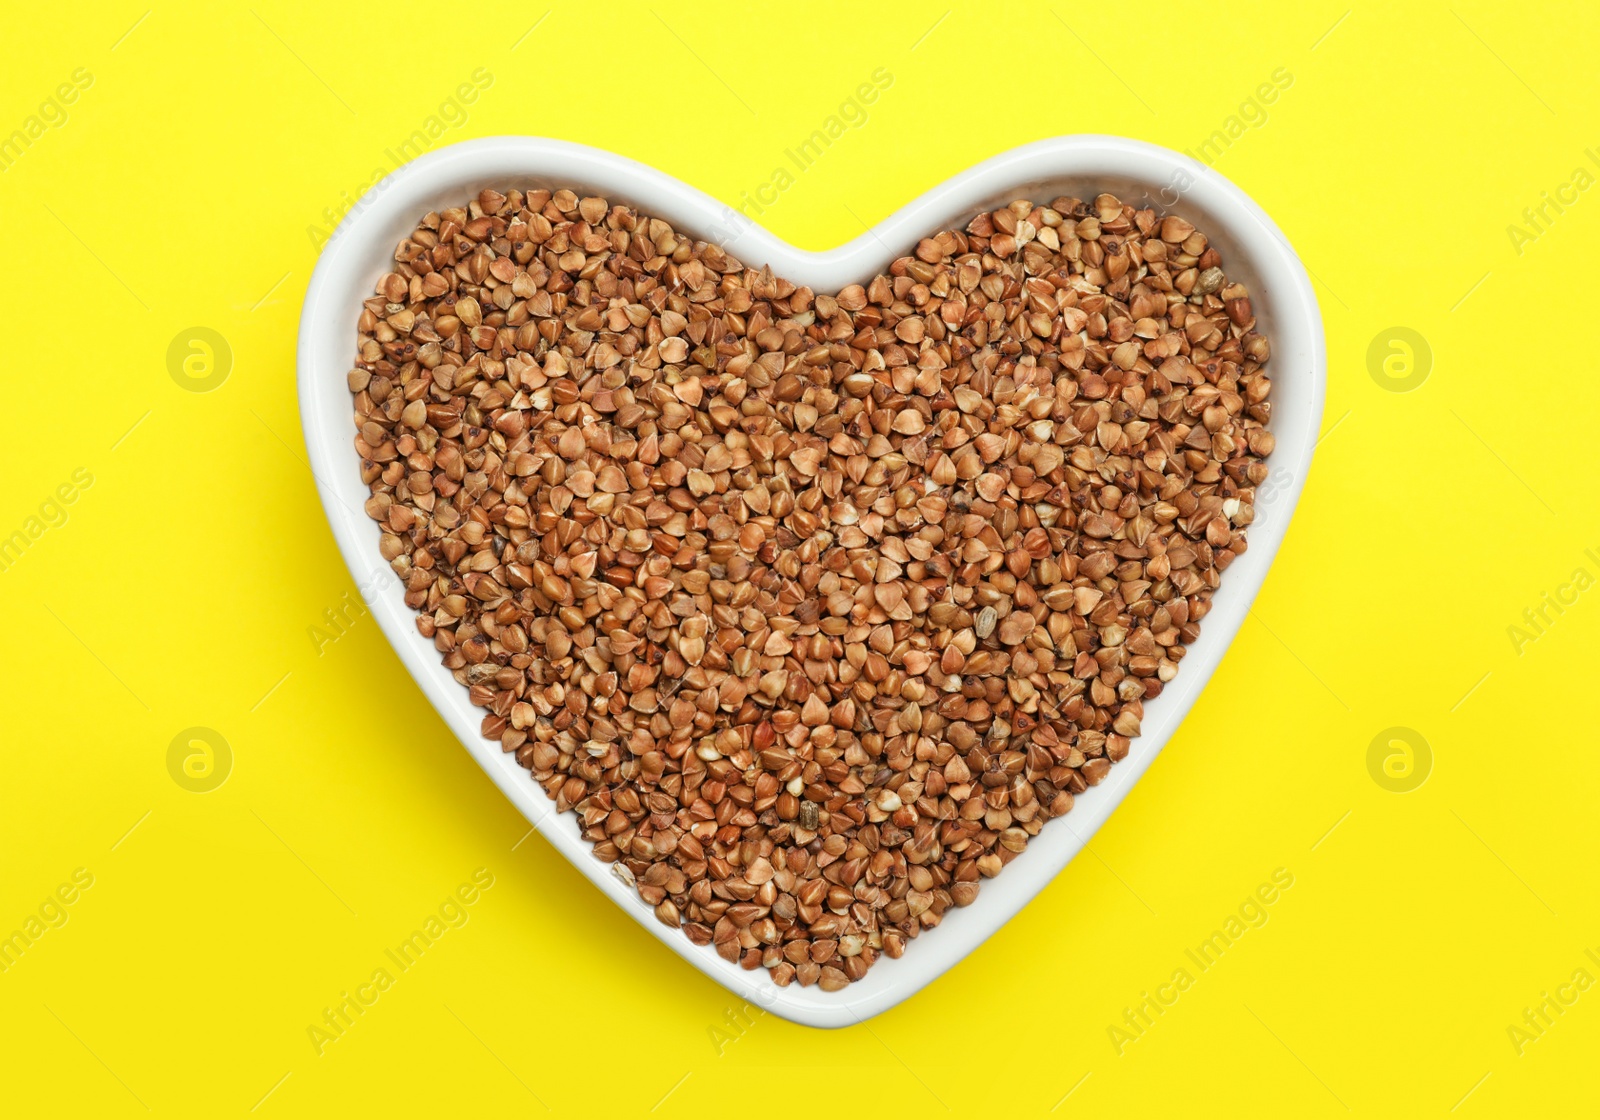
pixel 180 591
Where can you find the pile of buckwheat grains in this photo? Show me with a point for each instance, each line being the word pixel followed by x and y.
pixel 813 607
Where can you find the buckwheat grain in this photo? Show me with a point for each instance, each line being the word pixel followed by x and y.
pixel 814 608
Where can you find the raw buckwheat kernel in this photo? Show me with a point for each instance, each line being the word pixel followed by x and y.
pixel 814 608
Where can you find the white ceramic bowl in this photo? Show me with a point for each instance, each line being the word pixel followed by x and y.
pixel 1253 251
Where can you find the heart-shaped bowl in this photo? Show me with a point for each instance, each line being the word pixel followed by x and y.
pixel 1253 250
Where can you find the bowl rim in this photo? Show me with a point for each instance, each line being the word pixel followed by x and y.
pixel 361 249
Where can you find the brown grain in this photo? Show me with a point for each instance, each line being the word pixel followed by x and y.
pixel 814 608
